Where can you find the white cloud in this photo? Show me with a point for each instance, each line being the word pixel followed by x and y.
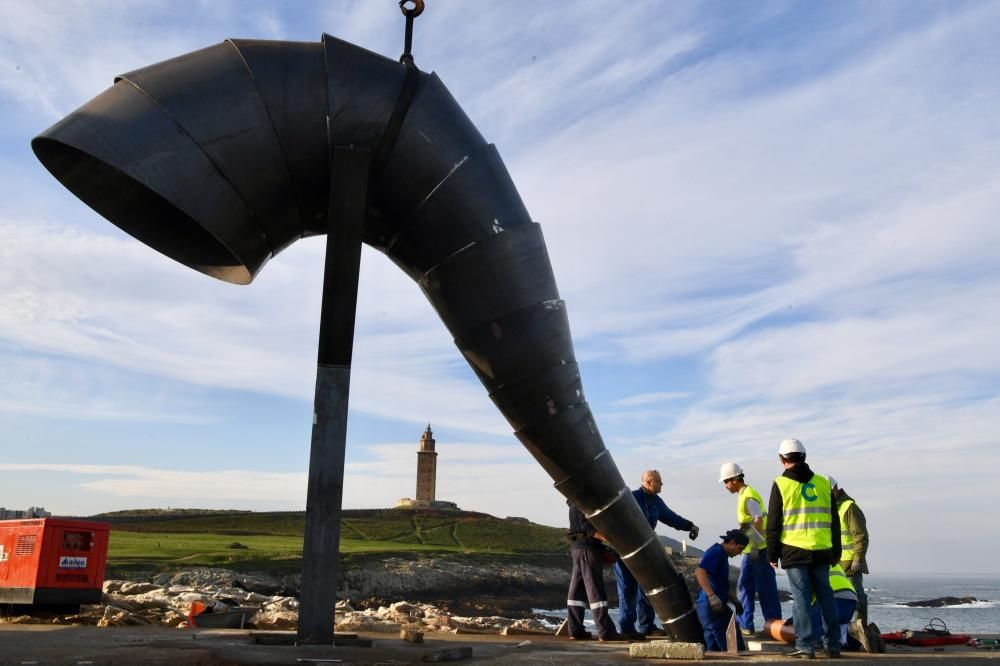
pixel 650 398
pixel 216 486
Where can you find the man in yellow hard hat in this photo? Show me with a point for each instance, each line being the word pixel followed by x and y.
pixel 803 532
pixel 756 575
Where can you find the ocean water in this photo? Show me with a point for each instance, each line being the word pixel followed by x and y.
pixel 886 594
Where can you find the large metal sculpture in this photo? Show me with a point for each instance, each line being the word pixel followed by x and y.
pixel 220 158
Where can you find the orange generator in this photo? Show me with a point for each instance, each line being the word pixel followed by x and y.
pixel 52 561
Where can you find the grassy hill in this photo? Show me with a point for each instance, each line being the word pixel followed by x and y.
pixel 171 539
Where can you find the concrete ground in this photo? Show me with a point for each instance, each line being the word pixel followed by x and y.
pixel 85 646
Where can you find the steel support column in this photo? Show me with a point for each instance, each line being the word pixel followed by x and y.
pixel 349 170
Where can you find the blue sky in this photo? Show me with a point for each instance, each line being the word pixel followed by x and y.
pixel 767 220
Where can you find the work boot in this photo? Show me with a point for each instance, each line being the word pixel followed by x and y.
pixel 613 638
pixel 823 653
pixel 656 631
pixel 581 636
pixel 634 635
pixel 875 637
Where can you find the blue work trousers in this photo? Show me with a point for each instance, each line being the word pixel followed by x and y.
pixel 757 578
pixel 845 611
pixel 632 603
pixel 805 581
pixel 714 625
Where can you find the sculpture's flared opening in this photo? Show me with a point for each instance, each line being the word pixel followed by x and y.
pixel 139 211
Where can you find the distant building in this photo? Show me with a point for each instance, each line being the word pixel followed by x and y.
pixel 426 477
pixel 20 514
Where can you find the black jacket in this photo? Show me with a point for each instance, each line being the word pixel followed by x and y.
pixel 791 555
pixel 581 530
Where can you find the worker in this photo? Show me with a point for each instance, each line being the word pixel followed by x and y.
pixel 632 603
pixel 846 600
pixel 712 575
pixel 803 533
pixel 586 583
pixel 854 544
pixel 756 575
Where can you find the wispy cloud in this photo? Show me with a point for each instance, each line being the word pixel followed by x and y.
pixel 216 486
pixel 650 398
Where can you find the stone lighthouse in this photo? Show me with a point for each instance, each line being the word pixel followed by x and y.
pixel 426 467
pixel 426 478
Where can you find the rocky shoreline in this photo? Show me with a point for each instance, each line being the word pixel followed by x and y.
pixel 167 600
pixel 450 593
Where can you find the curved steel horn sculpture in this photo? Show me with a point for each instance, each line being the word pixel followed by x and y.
pixel 219 159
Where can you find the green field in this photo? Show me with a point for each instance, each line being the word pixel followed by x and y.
pixel 160 540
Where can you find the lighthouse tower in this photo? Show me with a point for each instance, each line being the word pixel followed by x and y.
pixel 426 467
pixel 426 478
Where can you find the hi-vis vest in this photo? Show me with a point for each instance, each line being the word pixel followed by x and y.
pixel 846 538
pixel 839 580
pixel 806 509
pixel 743 516
pixel 840 584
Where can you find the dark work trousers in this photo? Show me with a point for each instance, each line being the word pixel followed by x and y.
pixel 857 580
pixel 586 590
pixel 715 624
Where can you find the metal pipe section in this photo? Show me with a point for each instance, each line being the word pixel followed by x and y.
pixel 219 160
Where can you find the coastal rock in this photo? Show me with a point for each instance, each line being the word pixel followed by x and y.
pixel 456 593
pixel 21 619
pixel 205 577
pixel 119 617
pixel 276 616
pixel 938 602
pixel 471 585
pixel 128 588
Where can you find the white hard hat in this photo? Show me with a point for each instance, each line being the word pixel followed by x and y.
pixel 728 471
pixel 791 446
pixel 833 481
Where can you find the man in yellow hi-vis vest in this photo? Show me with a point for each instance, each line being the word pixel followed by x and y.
pixel 756 579
pixel 803 532
pixel 853 544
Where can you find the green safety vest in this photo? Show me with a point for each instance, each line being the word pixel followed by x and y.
pixel 838 581
pixel 806 509
pixel 846 538
pixel 743 516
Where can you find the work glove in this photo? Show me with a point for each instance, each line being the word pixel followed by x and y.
pixel 854 568
pixel 716 603
pixel 754 554
pixel 693 534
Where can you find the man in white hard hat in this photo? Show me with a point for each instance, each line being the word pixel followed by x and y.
pixel 803 532
pixel 854 544
pixel 756 574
